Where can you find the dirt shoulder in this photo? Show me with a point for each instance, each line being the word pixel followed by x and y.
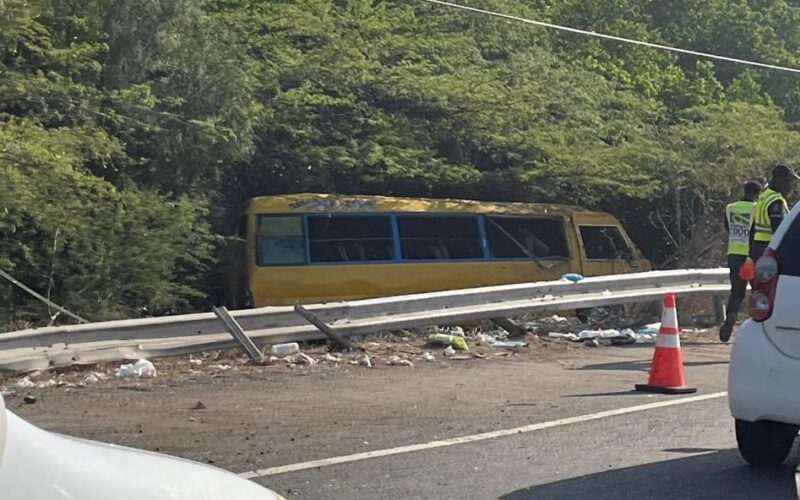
pixel 219 409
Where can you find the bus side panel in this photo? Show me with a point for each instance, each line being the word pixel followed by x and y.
pixel 317 283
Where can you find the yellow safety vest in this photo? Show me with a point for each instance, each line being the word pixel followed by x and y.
pixel 762 221
pixel 740 219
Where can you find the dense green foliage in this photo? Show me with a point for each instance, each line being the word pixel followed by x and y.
pixel 131 130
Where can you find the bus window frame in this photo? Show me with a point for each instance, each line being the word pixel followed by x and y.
pixel 622 233
pixel 397 242
pixel 454 215
pixel 561 221
pixel 307 237
pixel 257 249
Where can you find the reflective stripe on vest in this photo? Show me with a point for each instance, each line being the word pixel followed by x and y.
pixel 740 220
pixel 763 224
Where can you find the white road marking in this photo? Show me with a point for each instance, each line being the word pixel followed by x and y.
pixel 325 462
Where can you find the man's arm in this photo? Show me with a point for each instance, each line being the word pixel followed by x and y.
pixel 776 213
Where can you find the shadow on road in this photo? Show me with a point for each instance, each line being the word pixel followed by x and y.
pixel 721 474
pixel 641 365
pixel 631 392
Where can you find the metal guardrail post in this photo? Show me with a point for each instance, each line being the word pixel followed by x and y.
pixel 238 333
pixel 328 331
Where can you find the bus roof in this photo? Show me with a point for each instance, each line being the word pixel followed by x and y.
pixel 324 203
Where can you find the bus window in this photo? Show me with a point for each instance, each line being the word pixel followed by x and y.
pixel 348 238
pixel 439 238
pixel 518 237
pixel 280 240
pixel 604 243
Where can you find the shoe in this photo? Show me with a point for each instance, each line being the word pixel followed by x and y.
pixel 726 329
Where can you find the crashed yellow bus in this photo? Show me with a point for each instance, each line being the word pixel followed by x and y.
pixel 310 248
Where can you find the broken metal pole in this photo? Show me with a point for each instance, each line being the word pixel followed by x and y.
pixel 512 328
pixel 321 326
pixel 238 333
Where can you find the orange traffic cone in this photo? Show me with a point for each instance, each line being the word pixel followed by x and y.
pixel 666 372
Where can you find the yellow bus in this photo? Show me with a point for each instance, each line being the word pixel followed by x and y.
pixel 310 248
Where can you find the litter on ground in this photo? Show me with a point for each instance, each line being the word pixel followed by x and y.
pixel 141 369
pixel 398 361
pixel 456 341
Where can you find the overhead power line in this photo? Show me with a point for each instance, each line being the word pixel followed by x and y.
pixel 616 38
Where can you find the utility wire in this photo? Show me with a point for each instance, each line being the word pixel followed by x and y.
pixel 616 38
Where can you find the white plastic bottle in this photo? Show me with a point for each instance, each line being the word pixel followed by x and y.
pixel 282 350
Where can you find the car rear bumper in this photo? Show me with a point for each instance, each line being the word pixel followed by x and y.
pixel 762 382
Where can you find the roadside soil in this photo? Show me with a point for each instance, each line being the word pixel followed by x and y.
pixel 217 408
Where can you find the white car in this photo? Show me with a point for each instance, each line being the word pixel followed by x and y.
pixel 765 363
pixel 40 465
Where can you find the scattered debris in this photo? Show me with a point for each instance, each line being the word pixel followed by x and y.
pixel 221 368
pixel 25 383
pixel 591 342
pixel 141 369
pixel 283 350
pixel 651 329
pixel 486 339
pixel 428 356
pixel 398 361
pixel 605 334
pixel 287 360
pixel 457 330
pixel 568 336
pixel 331 358
pixel 509 344
pixel 366 361
pixel 194 361
pixel 303 359
pixel 93 378
pixel 29 400
pixel 199 406
pixel 459 343
pixel 449 352
pixel 572 277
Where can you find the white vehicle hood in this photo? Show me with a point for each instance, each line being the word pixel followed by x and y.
pixel 40 465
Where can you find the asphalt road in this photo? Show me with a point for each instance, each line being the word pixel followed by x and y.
pixel 680 452
pixel 685 451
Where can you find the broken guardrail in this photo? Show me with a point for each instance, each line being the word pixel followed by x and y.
pixel 42 348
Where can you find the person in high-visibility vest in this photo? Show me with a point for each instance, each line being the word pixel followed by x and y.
pixel 771 208
pixel 739 217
